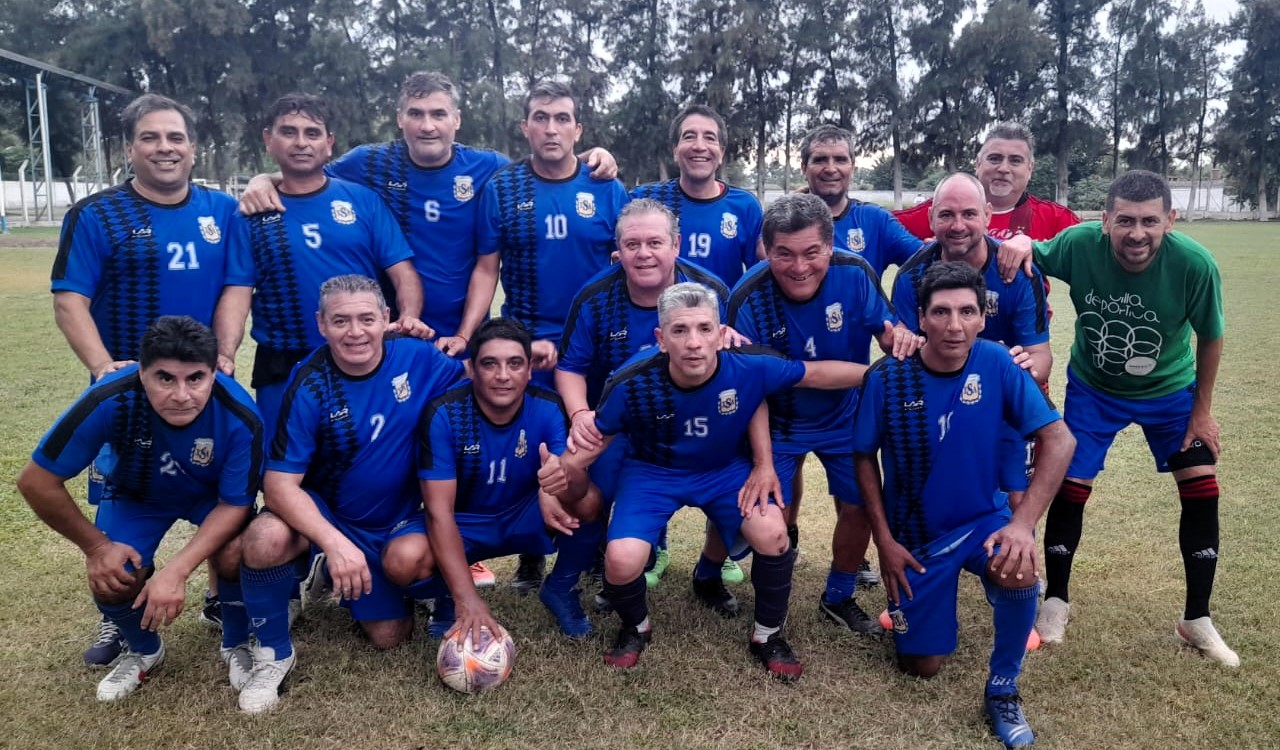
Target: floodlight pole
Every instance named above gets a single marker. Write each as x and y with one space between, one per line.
91 138
38 135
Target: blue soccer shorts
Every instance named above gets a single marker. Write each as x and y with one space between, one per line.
517 530
841 481
386 601
142 525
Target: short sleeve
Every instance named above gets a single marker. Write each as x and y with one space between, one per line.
867 427
1026 409
82 252
241 474
435 446
241 270
904 302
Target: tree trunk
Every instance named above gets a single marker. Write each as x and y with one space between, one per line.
499 76
897 169
1263 213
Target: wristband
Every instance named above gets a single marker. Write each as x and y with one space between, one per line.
577 412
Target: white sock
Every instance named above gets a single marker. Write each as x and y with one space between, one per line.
645 626
761 633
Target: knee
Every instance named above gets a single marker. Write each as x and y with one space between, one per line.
226 561
387 634
588 508
851 517
767 535
127 596
924 667
267 542
1022 579
624 562
407 559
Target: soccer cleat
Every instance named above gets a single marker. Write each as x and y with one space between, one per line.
601 603
850 615
1051 622
239 661
660 562
713 594
211 613
778 658
262 691
317 584
106 647
731 572
566 607
442 617
1201 635
131 670
626 648
529 574
482 577
1004 714
867 578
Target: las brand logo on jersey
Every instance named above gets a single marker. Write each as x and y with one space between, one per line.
972 391
728 401
400 185
522 445
728 225
209 230
343 212
463 188
202 451
835 317
993 304
400 385
855 240
586 205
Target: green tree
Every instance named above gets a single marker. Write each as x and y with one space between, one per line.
1248 138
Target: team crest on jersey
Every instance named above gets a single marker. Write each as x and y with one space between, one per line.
972 391
343 212
463 188
202 451
899 621
522 445
400 385
855 240
209 230
729 401
586 205
835 317
728 225
993 304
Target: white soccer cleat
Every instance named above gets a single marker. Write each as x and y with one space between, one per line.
1051 622
239 661
262 692
1201 635
130 671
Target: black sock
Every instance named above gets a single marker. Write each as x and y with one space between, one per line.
771 578
1198 540
628 600
793 533
1062 530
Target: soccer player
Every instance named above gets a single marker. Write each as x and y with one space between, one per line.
330 228
1004 167
340 478
482 447
684 409
933 418
719 223
811 303
187 444
1140 290
153 245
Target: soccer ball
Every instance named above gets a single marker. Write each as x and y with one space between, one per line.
474 668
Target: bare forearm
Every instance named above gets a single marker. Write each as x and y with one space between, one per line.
229 319
408 289
832 375
71 313
758 437
1208 359
480 290
450 553
572 388
218 528
867 472
48 497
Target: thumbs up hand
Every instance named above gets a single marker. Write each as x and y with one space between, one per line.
551 477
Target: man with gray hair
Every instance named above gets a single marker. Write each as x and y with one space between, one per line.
684 408
1004 167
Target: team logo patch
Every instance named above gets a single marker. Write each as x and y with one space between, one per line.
835 317
729 401
855 240
202 451
340 414
728 225
142 233
522 445
899 621
586 205
463 188
400 185
209 230
972 391
343 212
524 206
619 335
400 385
993 304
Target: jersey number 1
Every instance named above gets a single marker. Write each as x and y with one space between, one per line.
182 258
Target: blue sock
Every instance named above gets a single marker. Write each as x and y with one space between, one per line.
235 619
129 620
266 600
771 578
576 555
840 586
1014 615
706 569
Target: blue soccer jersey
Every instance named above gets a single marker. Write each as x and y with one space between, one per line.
698 429
342 228
875 235
496 466
438 211
1016 313
605 328
720 234
137 260
353 437
217 457
939 437
553 235
838 323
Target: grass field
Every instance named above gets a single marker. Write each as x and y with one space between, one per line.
1119 681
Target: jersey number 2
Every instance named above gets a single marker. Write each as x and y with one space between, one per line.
182 257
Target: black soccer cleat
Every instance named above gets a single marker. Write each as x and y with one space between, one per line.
850 615
627 647
711 592
778 658
529 574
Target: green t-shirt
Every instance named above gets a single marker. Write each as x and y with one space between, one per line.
1133 330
